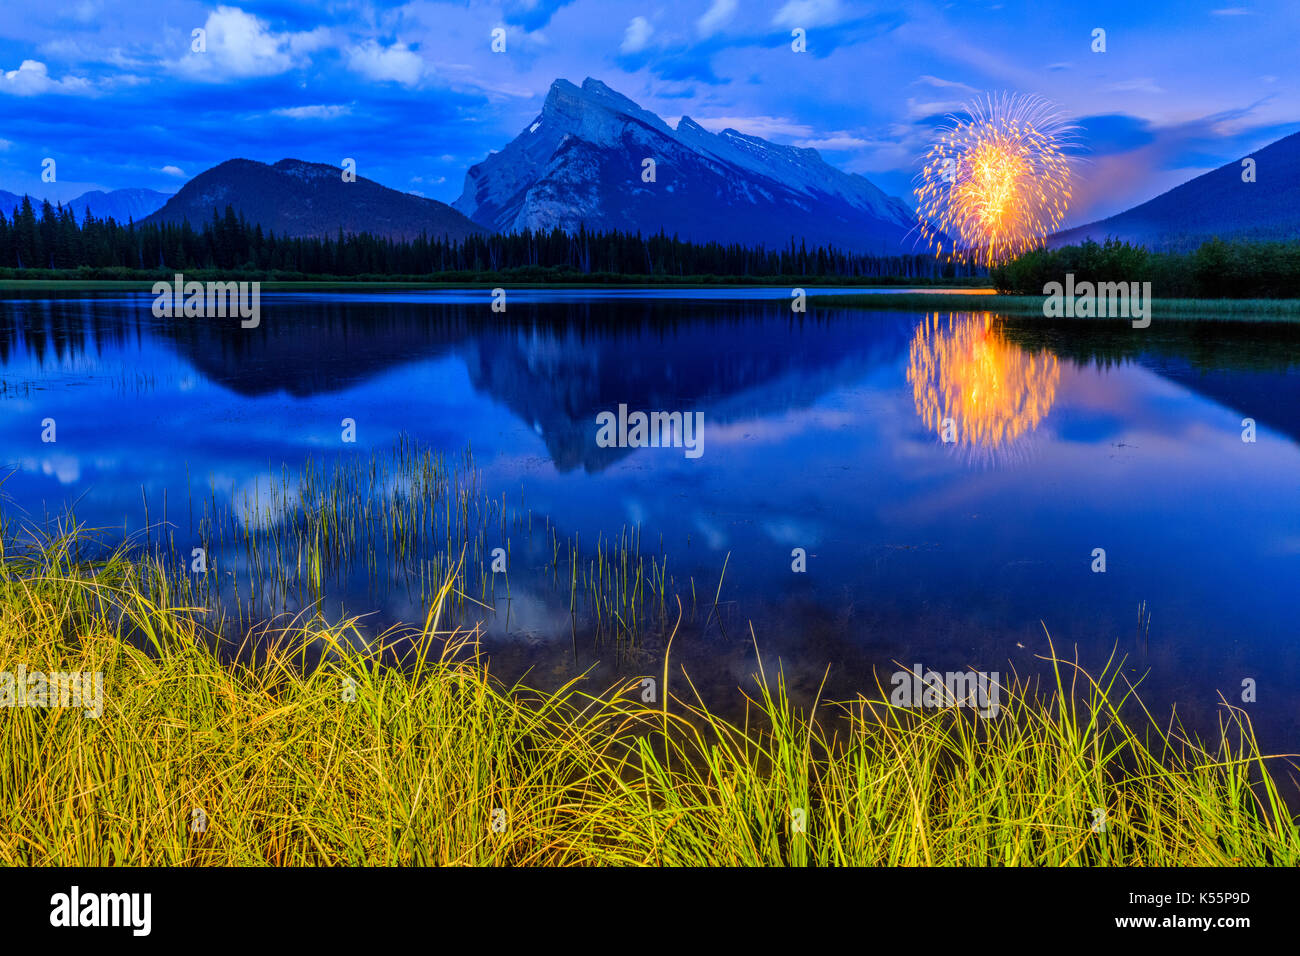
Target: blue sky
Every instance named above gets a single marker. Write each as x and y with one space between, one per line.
413 91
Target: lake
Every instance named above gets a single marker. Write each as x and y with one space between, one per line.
823 432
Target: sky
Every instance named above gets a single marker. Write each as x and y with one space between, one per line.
114 93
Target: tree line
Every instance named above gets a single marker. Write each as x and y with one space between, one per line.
1214 270
53 243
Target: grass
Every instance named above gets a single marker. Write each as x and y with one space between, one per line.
1182 310
402 519
280 755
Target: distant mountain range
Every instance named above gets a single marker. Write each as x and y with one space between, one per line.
582 162
298 199
119 204
1219 203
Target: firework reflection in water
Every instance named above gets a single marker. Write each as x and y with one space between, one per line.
994 392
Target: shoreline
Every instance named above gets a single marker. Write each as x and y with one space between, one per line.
896 296
595 282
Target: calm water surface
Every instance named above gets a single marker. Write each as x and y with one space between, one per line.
822 432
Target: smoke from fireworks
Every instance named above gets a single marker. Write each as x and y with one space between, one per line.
997 181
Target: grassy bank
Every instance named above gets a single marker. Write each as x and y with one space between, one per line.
1182 310
207 758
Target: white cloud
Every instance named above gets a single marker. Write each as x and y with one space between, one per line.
81 49
1144 84
808 13
834 141
239 44
764 126
32 79
173 171
301 44
84 11
719 13
397 63
321 111
925 79
637 35
918 109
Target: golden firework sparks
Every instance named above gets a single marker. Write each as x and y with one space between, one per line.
997 181
993 392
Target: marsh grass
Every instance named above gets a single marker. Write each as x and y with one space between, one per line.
400 519
309 750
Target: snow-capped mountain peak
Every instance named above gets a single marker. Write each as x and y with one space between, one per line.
584 160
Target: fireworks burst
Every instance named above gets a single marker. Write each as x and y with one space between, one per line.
997 181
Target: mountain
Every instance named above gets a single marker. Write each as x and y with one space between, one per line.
581 160
119 204
1215 204
300 199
